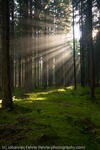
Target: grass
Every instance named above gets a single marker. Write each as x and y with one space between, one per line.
55 116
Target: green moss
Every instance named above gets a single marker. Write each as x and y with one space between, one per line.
55 116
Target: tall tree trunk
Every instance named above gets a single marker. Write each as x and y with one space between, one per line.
36 21
82 65
50 79
45 56
44 72
19 72
12 44
30 48
90 48
26 19
74 50
6 89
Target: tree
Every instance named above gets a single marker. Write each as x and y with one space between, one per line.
90 47
97 59
6 89
11 9
82 45
74 48
86 25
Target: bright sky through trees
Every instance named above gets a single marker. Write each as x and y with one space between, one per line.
77 31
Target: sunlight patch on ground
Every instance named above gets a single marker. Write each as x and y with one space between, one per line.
70 88
37 98
40 98
14 98
52 91
61 90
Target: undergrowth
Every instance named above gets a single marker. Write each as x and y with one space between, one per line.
55 116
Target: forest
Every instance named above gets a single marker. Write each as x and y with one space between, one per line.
50 74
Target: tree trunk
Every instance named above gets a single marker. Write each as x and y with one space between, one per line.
50 79
12 45
6 84
90 48
74 61
82 65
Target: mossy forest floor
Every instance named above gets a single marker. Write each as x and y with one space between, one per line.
52 117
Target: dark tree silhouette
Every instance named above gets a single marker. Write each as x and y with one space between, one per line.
6 89
74 49
90 47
